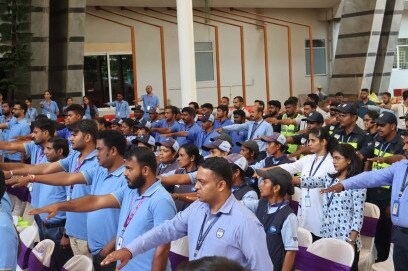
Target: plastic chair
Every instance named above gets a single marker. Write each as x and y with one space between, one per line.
387 265
304 237
367 257
28 237
178 252
334 250
79 263
40 257
294 203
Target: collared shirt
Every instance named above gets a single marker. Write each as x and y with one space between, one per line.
102 182
237 234
88 115
122 109
271 161
5 132
49 109
394 146
183 127
17 128
263 129
156 208
361 107
75 225
356 138
174 127
43 194
6 204
31 114
289 228
311 215
389 176
9 242
150 102
219 124
201 137
238 136
342 212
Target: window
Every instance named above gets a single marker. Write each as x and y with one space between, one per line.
401 55
319 56
204 61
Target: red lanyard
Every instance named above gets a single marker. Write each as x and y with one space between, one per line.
78 166
131 215
40 156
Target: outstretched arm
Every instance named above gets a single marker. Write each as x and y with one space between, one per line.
57 179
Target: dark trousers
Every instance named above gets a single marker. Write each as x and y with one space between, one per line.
354 267
97 259
60 255
382 197
400 255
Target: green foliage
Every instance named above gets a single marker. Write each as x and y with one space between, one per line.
15 49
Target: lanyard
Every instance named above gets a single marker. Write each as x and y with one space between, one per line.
131 215
201 236
254 130
332 195
40 156
318 166
78 166
382 152
348 138
404 184
119 107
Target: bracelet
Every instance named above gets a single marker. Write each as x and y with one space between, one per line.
32 178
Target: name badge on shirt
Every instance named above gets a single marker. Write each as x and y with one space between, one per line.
68 198
148 107
395 208
272 229
48 115
30 187
119 114
120 241
308 202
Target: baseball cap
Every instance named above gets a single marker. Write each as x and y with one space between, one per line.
145 139
117 122
220 144
154 111
144 124
275 137
207 117
138 108
278 176
250 144
169 142
239 160
386 117
314 117
222 136
347 108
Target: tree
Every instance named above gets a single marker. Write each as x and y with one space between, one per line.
15 51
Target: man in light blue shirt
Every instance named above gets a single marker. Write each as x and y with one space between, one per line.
122 109
31 111
8 233
256 128
150 101
216 225
205 134
144 204
166 125
395 176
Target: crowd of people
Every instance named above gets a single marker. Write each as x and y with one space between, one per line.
121 191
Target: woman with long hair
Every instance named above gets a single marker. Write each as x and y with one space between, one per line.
91 111
318 164
343 212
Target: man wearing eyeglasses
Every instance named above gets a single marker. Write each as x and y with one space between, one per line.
18 127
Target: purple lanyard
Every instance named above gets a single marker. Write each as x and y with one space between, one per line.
131 215
78 166
39 157
48 106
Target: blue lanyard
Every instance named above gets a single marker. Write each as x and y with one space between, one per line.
404 184
318 166
201 236
332 195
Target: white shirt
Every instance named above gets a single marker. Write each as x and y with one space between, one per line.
311 218
400 110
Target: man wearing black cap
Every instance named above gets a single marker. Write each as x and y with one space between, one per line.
138 113
387 143
349 132
145 141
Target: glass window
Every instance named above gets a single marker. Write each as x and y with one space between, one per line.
319 56
96 79
204 61
121 71
401 55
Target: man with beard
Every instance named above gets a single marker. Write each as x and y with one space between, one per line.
217 225
17 127
144 204
83 139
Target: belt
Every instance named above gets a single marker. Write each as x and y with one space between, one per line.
402 229
54 225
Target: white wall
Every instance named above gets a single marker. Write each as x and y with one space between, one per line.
108 36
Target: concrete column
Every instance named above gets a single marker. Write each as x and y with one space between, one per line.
186 51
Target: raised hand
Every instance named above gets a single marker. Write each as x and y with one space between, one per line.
123 255
337 188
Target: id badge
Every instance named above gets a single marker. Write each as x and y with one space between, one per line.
148 107
395 208
30 187
308 202
119 115
68 198
120 241
49 115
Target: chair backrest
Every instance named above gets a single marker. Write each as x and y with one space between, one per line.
304 237
43 251
334 250
371 215
29 235
79 263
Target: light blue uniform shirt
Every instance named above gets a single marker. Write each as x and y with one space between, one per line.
263 129
17 128
149 102
43 194
184 140
389 176
75 225
102 182
49 109
88 115
6 204
237 234
31 114
174 127
201 138
122 109
9 242
156 208
218 124
238 136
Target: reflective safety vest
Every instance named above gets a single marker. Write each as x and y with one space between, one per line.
331 129
377 166
290 130
353 144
